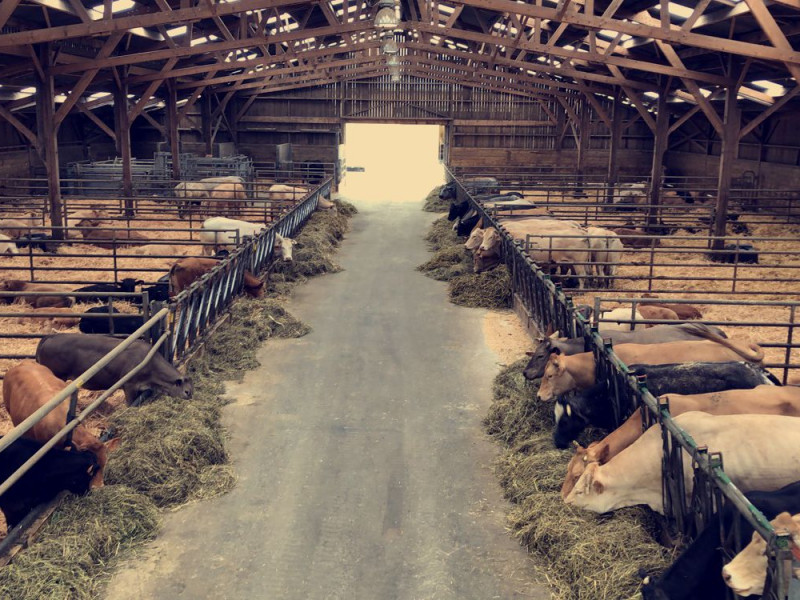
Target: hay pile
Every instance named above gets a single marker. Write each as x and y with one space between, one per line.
77 548
433 203
586 556
317 243
451 262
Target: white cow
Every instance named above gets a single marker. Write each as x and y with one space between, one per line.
606 249
214 237
7 246
611 320
284 246
282 193
767 462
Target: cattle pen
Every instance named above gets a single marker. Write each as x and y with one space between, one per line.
543 303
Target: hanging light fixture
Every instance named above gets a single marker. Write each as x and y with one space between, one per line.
386 17
389 45
393 60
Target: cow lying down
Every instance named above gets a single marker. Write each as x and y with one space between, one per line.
68 355
768 461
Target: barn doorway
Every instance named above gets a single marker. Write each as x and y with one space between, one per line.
400 162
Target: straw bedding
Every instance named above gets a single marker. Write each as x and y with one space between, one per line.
172 451
585 556
433 203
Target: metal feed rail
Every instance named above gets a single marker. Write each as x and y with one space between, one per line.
547 304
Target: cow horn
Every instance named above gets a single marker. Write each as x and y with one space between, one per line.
575 444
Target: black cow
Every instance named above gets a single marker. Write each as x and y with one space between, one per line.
467 223
126 324
594 406
68 355
103 289
56 471
448 192
158 292
652 335
733 253
458 210
37 240
697 573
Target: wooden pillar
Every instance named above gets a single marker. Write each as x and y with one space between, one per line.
585 137
728 155
615 142
123 130
205 118
660 143
48 138
173 132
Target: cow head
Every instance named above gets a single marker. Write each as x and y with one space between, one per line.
582 458
590 491
285 245
569 422
457 209
539 357
475 239
747 572
182 387
556 379
102 450
484 263
448 192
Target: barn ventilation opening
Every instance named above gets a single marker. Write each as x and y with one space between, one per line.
400 162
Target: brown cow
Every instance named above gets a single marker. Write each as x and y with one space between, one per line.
27 387
64 322
14 228
186 271
227 199
685 312
103 238
565 373
17 285
635 238
656 313
761 400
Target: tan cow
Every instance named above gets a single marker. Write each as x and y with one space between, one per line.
108 239
286 193
188 270
746 574
59 323
82 218
27 387
17 285
156 250
762 400
606 254
657 313
228 198
565 373
14 228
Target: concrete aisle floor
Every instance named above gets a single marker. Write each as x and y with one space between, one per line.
363 468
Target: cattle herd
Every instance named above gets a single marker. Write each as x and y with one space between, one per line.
716 388
78 464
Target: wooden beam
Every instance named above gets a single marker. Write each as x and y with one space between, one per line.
728 155
660 143
6 9
173 130
123 128
48 141
97 121
19 126
769 112
774 34
615 142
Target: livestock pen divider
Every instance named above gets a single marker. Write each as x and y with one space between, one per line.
547 304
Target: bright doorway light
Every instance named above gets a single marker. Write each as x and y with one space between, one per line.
400 162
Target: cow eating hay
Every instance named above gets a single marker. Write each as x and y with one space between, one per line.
587 557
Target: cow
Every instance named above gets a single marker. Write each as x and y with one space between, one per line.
612 320
284 246
627 195
76 221
101 291
468 223
192 195
286 193
227 198
7 246
685 312
323 204
58 470
569 252
737 253
14 228
221 232
59 299
548 344
27 387
768 461
158 291
65 322
746 574
109 239
186 271
656 313
635 238
606 253
102 323
42 241
693 574
475 239
593 406
458 210
69 355
565 373
766 399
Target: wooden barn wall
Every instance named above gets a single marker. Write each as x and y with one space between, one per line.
771 152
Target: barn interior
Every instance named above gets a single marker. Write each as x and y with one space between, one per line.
672 123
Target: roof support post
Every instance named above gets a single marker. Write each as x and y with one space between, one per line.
123 129
205 121
48 139
614 143
660 143
173 132
728 155
585 137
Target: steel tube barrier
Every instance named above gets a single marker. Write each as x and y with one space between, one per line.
547 304
194 310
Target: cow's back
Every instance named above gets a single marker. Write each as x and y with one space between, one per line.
26 388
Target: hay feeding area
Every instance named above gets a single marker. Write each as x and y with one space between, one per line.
452 263
585 556
433 203
313 254
172 451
